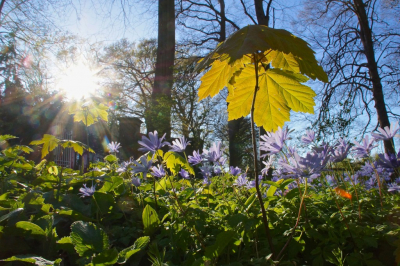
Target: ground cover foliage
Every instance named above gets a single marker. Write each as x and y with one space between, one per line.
164 209
334 204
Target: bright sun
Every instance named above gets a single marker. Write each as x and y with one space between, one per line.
78 81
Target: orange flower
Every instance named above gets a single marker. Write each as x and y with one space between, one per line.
343 193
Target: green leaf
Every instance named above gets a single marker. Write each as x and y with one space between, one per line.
88 239
250 201
10 214
25 166
254 38
150 220
65 243
223 239
285 183
49 142
139 244
111 158
33 259
4 196
31 228
111 183
271 191
107 257
65 240
103 201
235 220
23 148
174 162
76 145
74 215
4 138
41 164
53 170
46 223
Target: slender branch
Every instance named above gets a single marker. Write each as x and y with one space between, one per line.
253 135
2 5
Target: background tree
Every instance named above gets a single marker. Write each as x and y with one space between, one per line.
129 76
26 102
207 24
129 79
190 118
158 117
359 41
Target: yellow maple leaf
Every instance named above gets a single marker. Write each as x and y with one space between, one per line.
88 112
49 142
279 92
217 77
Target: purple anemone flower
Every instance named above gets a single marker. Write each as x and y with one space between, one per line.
331 180
241 181
179 145
291 150
308 167
268 165
391 161
322 148
371 183
309 137
214 154
393 187
206 171
366 170
217 170
273 141
152 143
87 191
387 132
124 166
355 179
235 170
184 174
252 183
364 148
141 167
196 158
158 171
114 146
136 181
340 151
206 181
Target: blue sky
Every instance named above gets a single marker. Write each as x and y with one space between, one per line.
94 21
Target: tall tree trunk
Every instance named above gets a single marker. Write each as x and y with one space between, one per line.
377 90
233 125
262 18
158 117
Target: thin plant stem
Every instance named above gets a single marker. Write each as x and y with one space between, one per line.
98 210
154 193
379 182
59 184
253 135
341 214
295 226
355 190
